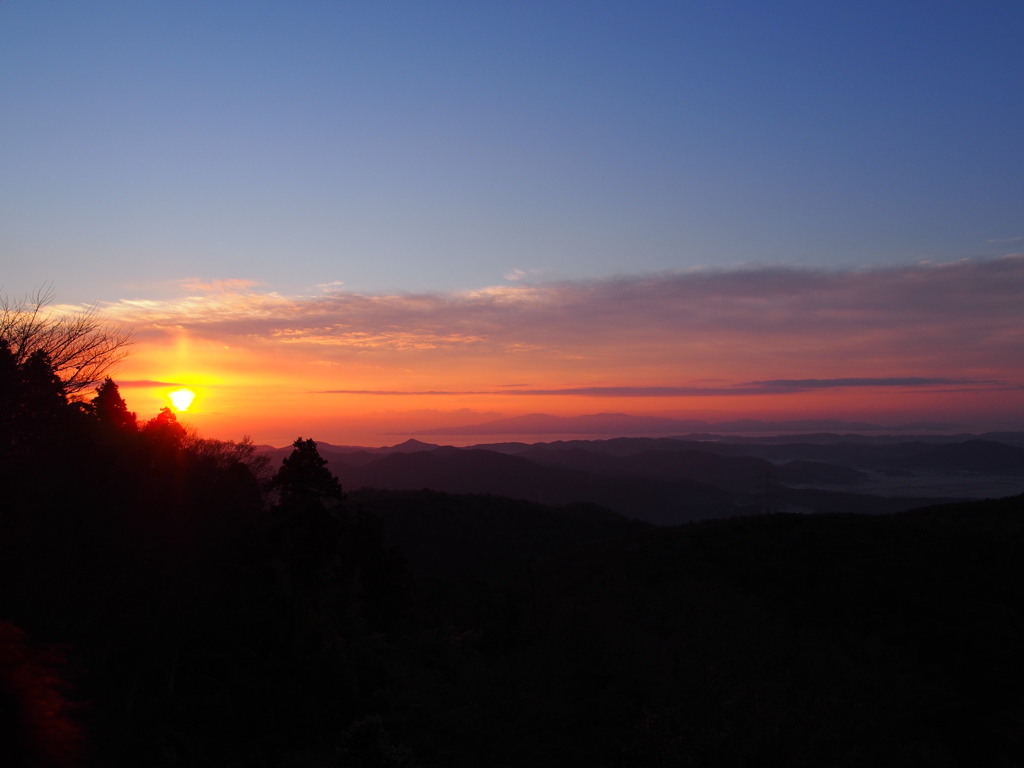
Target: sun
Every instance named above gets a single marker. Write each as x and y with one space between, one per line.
182 398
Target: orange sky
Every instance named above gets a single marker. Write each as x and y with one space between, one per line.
936 342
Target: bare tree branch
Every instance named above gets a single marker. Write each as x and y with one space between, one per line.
83 348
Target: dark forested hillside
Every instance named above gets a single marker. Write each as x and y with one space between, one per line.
483 535
172 601
829 640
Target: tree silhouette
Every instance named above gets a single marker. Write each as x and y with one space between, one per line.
34 407
304 477
164 429
81 347
42 391
9 390
111 409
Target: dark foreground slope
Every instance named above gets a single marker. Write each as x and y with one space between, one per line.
523 635
786 640
838 640
483 536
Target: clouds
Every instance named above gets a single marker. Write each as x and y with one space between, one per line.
801 385
219 286
776 387
520 275
927 320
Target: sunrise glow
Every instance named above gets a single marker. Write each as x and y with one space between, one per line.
182 398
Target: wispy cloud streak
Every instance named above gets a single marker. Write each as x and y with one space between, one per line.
908 381
777 386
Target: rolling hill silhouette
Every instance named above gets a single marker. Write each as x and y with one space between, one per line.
486 472
736 473
983 456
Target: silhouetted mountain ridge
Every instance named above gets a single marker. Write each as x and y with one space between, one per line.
731 472
621 423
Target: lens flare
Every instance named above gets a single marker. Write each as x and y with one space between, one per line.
182 398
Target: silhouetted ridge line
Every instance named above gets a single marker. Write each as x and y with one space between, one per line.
621 423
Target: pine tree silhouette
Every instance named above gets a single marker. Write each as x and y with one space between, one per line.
111 409
304 476
164 429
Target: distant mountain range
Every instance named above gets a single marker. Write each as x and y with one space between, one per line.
622 423
668 481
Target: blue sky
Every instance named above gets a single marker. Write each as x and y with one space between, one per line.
444 146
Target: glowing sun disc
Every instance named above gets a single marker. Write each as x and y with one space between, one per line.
182 398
